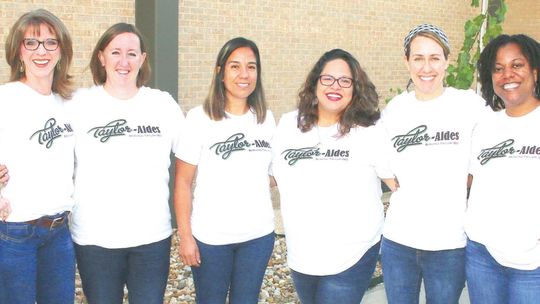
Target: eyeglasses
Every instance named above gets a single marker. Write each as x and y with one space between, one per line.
32 44
328 80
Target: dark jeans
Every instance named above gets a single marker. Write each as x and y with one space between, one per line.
237 269
345 287
36 264
443 272
491 283
143 269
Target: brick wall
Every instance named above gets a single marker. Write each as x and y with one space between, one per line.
86 21
292 35
523 18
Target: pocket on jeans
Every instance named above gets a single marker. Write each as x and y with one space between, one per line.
16 232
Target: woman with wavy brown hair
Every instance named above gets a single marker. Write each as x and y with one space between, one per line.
327 160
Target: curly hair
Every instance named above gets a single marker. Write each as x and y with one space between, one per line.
363 110
214 104
486 64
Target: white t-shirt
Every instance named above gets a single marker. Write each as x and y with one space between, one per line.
36 144
123 150
330 193
430 158
504 204
231 200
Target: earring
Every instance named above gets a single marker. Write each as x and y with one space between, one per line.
315 102
21 67
537 91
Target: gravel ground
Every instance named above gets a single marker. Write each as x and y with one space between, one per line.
277 284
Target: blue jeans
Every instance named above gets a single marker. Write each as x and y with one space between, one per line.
491 283
237 269
36 264
345 287
143 269
404 268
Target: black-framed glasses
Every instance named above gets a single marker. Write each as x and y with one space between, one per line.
329 80
32 44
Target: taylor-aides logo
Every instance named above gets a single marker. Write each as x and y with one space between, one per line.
238 142
506 149
420 136
292 156
120 127
51 131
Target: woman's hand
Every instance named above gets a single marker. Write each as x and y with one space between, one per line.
392 183
4 176
189 251
5 208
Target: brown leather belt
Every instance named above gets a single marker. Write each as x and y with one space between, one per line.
50 223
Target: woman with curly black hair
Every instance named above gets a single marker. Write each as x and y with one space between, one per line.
503 249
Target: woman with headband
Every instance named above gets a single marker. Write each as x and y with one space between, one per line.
430 130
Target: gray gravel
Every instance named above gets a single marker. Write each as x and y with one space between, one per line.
277 284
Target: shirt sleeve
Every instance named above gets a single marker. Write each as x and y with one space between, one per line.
189 144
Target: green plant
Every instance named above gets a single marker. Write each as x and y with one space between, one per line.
461 74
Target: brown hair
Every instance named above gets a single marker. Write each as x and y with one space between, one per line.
98 71
214 104
363 110
62 81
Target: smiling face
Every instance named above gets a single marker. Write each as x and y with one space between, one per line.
122 59
39 64
514 80
334 99
427 65
240 75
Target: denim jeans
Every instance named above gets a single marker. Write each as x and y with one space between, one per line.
237 269
36 264
143 269
491 283
443 272
345 287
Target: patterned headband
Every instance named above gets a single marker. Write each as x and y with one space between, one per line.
425 28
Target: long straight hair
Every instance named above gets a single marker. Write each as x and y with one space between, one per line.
214 104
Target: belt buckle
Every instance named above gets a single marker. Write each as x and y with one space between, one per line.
57 222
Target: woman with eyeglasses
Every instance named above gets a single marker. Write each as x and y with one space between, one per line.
430 130
226 224
328 158
125 133
502 220
37 260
